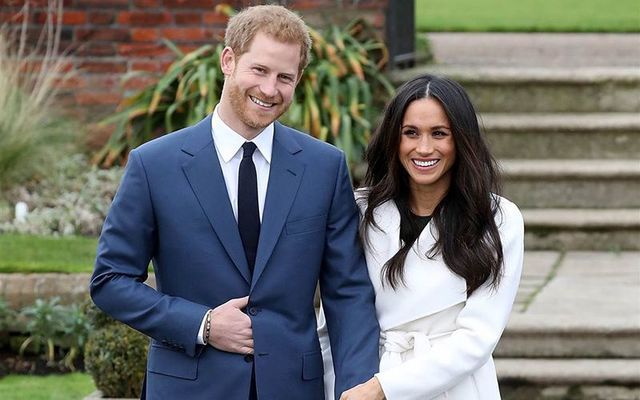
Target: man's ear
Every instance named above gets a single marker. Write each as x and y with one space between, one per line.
299 77
227 61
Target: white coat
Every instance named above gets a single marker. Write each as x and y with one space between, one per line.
436 342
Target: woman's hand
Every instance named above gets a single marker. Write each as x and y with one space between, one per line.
370 390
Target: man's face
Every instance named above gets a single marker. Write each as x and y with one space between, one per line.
259 84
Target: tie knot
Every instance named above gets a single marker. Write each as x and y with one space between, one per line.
247 149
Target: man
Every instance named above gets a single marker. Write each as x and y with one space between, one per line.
241 217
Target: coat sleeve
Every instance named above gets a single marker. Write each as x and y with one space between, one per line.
347 295
127 244
479 326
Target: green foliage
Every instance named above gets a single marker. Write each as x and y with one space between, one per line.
76 330
335 101
188 91
96 317
115 356
51 387
28 253
6 315
45 324
32 131
50 325
528 15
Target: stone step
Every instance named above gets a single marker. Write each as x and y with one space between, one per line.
536 48
553 183
560 313
569 371
542 89
579 379
533 337
563 135
582 229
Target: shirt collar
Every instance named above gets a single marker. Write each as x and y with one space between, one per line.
228 142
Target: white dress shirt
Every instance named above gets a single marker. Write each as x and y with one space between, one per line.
228 145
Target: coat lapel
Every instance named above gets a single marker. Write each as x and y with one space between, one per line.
204 174
284 179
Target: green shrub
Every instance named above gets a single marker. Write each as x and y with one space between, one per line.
115 356
32 130
97 318
336 100
6 315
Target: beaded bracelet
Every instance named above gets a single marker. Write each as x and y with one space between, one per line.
207 328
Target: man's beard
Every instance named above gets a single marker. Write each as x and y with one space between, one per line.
251 118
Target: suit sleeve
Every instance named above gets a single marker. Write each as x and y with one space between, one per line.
478 328
347 293
127 244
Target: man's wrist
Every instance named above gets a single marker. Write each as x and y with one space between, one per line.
206 333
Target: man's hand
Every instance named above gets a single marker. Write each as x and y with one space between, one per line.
370 390
231 328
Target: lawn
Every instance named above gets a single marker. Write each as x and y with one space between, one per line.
52 387
528 15
24 253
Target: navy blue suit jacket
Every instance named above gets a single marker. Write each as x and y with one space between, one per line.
172 208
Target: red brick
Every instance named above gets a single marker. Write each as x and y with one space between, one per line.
184 34
95 49
188 18
144 34
141 18
310 4
94 97
68 17
188 48
103 35
190 3
146 3
142 49
103 66
102 4
32 3
11 17
74 82
104 82
214 18
150 66
139 82
101 18
74 18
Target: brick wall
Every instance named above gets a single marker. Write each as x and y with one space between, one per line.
109 39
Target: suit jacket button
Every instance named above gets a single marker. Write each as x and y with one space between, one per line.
253 311
248 358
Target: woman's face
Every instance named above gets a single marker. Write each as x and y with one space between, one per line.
427 150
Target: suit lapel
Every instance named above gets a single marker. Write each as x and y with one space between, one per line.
284 179
204 174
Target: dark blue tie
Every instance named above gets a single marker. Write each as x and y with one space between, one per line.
248 214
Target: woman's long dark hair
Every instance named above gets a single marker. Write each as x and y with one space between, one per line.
467 235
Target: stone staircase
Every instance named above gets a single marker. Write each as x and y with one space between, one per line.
567 135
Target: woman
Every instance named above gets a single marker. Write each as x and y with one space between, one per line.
444 251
